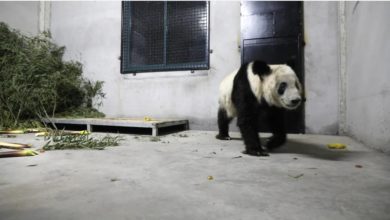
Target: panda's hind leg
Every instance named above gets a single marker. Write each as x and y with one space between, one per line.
276 141
223 125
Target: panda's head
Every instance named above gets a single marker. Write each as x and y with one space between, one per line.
282 88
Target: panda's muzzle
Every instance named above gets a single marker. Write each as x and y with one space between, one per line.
294 103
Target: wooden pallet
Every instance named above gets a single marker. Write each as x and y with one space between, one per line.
155 125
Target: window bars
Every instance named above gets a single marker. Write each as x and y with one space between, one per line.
164 36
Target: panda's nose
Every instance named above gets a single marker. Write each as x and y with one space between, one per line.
296 101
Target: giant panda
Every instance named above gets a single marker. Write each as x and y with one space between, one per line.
253 89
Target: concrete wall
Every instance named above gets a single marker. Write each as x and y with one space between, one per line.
321 67
368 75
91 32
23 16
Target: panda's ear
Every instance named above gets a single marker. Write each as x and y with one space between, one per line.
261 68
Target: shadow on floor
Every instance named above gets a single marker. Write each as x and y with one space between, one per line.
317 151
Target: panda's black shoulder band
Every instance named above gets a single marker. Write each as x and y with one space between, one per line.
261 68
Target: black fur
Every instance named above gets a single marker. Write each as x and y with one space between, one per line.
276 125
248 110
223 125
247 107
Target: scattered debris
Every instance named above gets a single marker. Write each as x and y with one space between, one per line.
146 118
210 177
337 146
42 134
45 134
155 139
358 166
12 132
18 153
236 157
114 179
14 145
34 130
21 131
183 135
72 142
296 176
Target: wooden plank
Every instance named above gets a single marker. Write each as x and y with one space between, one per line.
171 123
154 132
119 122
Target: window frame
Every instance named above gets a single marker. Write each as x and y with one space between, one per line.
127 68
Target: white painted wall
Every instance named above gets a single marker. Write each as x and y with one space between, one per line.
91 32
368 65
321 67
20 15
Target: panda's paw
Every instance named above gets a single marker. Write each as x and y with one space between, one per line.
275 142
222 137
258 153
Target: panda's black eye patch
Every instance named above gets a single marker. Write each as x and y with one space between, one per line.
282 87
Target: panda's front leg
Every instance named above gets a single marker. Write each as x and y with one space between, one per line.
249 131
276 124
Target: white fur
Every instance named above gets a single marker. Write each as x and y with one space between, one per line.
266 89
225 94
280 73
254 82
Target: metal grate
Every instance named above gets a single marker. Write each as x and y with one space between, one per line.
147 33
158 36
187 34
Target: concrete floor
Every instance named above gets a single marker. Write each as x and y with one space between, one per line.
168 179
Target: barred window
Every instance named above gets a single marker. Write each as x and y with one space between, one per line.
164 36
